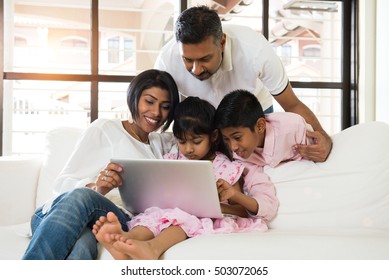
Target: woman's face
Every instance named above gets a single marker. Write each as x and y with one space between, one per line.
153 109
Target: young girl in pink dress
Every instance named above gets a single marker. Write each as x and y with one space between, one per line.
248 207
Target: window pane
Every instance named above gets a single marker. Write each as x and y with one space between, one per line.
48 36
33 107
132 33
313 37
241 12
324 103
113 101
308 43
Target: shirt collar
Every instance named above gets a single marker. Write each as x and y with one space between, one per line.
227 56
268 147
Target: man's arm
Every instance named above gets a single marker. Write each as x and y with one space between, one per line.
322 144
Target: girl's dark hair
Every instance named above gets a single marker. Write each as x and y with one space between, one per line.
196 116
148 79
196 24
239 108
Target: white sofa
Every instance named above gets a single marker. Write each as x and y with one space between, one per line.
335 210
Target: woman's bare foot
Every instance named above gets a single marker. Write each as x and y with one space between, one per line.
135 249
105 229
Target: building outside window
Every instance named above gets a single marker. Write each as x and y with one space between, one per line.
52 78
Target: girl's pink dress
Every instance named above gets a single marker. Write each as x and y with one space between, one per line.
157 219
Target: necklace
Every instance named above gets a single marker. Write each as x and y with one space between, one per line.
136 135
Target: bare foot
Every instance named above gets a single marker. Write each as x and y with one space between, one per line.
99 223
135 249
105 229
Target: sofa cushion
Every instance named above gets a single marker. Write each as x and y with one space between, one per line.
14 241
349 190
60 143
329 244
18 196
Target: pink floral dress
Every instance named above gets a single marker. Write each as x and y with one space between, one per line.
157 219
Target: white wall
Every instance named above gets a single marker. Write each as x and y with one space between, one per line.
382 54
367 52
374 58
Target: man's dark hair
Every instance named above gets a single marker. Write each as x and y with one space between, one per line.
196 24
239 108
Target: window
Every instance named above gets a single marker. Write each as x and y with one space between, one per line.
120 50
74 43
129 48
318 38
70 62
113 50
286 54
311 51
20 41
52 78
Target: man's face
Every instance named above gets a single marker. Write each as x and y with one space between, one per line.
204 59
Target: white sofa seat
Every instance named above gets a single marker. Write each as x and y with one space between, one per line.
332 210
285 245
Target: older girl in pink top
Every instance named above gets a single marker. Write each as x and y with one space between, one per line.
250 204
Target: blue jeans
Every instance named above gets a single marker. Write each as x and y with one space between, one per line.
64 232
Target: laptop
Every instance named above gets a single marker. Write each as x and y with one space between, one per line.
186 184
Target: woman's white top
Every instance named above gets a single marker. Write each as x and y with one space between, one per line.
103 140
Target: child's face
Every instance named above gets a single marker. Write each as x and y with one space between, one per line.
195 147
242 140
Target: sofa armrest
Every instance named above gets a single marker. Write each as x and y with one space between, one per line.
19 179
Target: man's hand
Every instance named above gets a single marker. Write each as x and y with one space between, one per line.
319 149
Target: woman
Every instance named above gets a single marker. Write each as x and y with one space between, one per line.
61 229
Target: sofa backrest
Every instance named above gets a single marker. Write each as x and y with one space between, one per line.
349 190
60 143
19 176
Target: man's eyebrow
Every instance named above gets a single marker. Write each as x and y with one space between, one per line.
201 58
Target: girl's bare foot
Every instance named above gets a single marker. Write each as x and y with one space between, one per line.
135 249
105 229
99 223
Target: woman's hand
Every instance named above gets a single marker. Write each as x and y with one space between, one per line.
108 178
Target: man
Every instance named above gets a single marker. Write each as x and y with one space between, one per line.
214 63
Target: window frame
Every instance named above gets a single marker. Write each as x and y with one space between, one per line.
348 84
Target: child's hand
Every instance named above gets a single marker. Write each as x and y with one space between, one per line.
233 210
225 190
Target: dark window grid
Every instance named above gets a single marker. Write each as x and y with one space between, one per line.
348 84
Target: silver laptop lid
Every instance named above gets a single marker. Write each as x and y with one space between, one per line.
186 184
